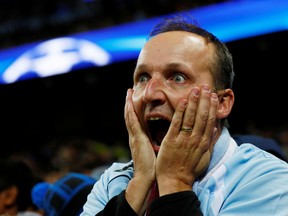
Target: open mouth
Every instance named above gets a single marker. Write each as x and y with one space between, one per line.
158 128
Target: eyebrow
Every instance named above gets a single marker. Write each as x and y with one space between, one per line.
176 65
173 65
141 67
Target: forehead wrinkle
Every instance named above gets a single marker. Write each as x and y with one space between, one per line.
170 65
176 65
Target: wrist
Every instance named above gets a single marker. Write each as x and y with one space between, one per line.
169 186
136 193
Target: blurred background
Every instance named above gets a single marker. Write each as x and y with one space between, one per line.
84 102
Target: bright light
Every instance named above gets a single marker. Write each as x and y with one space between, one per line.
229 21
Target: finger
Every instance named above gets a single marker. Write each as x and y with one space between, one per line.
203 110
130 117
211 123
211 105
190 112
177 118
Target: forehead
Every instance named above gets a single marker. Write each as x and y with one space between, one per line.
177 38
175 46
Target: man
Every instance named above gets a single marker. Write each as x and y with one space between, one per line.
16 181
65 196
176 117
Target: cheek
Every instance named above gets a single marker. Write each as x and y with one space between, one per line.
177 97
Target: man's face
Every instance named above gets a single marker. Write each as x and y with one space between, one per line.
169 65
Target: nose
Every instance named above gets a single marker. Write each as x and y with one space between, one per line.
154 91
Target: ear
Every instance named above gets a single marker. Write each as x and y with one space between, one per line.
9 195
226 101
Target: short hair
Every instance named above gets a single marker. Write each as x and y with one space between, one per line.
18 173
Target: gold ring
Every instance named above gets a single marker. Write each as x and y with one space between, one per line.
186 129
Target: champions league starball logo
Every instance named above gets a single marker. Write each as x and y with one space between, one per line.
56 56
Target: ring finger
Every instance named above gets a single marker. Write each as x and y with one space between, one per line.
190 112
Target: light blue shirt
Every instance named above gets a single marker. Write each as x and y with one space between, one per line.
240 180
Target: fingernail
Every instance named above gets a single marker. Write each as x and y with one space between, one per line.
196 92
214 96
206 88
184 103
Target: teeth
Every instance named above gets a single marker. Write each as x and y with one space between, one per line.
154 118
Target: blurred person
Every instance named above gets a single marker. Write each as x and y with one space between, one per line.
64 197
277 132
79 154
16 182
184 160
268 144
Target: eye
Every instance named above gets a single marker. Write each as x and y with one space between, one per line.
143 78
178 78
